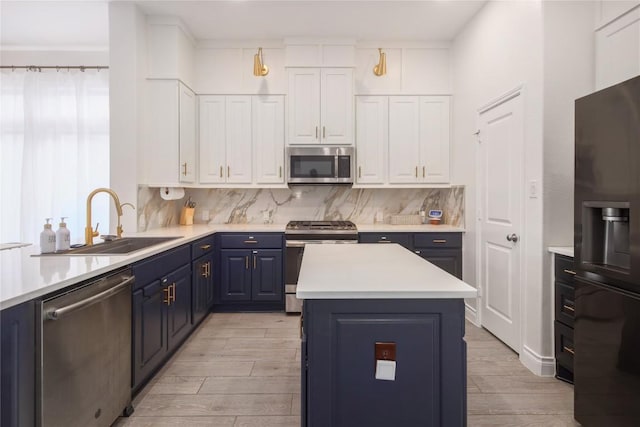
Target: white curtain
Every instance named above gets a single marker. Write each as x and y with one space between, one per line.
54 128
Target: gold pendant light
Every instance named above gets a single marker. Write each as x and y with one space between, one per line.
380 69
259 69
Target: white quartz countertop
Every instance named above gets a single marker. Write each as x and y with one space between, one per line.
373 271
24 277
561 250
422 228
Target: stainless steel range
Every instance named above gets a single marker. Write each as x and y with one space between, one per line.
301 233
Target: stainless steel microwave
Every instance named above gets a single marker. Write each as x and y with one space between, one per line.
320 165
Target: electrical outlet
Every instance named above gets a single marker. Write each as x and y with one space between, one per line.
205 215
266 216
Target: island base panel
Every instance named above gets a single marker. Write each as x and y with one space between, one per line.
338 363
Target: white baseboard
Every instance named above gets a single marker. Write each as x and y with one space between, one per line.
539 365
471 314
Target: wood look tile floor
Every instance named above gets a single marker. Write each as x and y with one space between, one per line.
242 370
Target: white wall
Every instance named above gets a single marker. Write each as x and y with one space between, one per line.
499 50
170 50
568 74
412 68
617 42
54 57
127 38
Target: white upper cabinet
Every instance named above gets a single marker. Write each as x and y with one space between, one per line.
404 139
419 146
225 139
304 106
372 136
187 135
170 143
336 105
434 138
320 106
238 139
268 139
213 157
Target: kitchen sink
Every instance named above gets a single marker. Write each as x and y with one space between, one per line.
123 246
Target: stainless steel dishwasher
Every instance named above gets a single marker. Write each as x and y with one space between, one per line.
85 370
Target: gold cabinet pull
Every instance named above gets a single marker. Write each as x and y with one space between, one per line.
221 173
255 262
279 171
384 241
439 240
423 171
569 308
359 171
167 298
228 171
251 241
571 272
324 132
184 169
204 270
568 350
205 247
173 293
416 171
246 262
316 132
209 269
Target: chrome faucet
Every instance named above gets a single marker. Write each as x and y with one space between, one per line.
89 232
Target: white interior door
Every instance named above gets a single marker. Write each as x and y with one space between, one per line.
500 172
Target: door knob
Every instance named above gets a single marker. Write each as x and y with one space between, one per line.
512 238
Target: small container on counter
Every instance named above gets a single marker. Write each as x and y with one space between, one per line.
63 236
435 216
47 239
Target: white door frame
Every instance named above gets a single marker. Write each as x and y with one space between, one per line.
507 96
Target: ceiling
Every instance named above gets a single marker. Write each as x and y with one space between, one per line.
85 23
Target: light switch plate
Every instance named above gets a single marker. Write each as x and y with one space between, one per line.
386 370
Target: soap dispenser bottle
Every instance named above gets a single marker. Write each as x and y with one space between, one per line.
47 239
63 236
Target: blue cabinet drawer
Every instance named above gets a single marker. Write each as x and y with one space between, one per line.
160 265
437 240
202 247
403 239
251 240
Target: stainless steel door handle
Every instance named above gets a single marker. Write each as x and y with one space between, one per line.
57 313
512 237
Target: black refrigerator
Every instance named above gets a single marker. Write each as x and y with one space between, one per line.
607 256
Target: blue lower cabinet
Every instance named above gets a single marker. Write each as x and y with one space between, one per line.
17 366
450 260
235 275
161 311
342 340
266 276
251 275
202 287
179 309
149 330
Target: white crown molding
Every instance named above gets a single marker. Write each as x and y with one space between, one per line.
240 44
54 48
407 44
301 41
174 21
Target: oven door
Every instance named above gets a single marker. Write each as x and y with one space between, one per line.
293 254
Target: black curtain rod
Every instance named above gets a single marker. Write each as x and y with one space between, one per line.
54 67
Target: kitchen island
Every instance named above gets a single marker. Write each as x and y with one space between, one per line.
382 339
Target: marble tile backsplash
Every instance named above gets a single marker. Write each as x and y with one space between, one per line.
260 205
